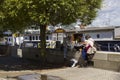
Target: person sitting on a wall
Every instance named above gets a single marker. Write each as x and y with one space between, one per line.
89 47
77 57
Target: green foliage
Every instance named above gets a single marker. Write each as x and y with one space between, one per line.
89 11
17 14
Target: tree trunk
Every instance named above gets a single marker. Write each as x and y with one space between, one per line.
43 40
43 44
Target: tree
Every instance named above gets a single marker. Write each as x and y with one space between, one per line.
17 14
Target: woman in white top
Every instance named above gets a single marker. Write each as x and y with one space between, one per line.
90 49
89 44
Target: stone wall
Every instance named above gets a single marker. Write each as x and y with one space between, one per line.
2 49
107 60
102 59
8 50
53 55
31 53
13 51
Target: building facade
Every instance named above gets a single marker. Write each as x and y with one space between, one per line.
99 33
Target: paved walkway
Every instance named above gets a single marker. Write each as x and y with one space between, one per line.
85 74
70 73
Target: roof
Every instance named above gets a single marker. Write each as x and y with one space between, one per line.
91 29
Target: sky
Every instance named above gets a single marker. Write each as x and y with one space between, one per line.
109 14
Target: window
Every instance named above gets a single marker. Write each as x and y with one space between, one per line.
98 35
33 37
30 37
39 37
9 39
36 37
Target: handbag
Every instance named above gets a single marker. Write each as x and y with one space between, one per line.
91 50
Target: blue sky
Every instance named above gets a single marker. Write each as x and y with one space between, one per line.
109 14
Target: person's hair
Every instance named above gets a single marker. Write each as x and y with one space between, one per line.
87 36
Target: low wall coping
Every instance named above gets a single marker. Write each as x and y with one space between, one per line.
106 55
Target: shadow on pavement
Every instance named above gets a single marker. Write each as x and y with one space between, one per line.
9 63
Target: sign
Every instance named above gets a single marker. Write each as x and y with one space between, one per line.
117 32
59 30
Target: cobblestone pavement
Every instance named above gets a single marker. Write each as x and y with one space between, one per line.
88 73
